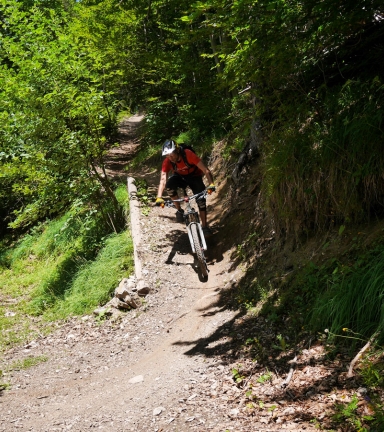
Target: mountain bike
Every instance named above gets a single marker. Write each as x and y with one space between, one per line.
194 228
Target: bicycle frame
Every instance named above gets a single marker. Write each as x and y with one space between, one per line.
192 222
191 216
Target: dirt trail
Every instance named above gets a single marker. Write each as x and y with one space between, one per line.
165 367
85 382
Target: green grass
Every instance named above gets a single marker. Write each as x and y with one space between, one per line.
27 362
321 170
63 267
95 280
353 300
145 154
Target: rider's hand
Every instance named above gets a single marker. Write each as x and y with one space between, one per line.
211 188
159 201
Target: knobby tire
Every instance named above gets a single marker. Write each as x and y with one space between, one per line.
199 250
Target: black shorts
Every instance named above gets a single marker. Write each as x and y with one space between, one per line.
194 182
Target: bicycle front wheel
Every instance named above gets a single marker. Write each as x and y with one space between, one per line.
199 250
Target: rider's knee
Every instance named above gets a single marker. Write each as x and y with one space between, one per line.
171 192
202 205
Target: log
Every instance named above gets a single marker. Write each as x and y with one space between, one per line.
134 212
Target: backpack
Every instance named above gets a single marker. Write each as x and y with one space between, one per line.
182 148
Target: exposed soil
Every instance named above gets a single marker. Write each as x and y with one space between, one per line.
184 360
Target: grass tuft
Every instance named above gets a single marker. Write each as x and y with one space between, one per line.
27 362
354 300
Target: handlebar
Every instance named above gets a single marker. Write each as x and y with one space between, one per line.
203 194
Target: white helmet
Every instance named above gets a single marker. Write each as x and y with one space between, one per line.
168 147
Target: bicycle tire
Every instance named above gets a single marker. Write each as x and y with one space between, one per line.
199 250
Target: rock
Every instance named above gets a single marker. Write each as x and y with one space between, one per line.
120 304
136 379
142 288
105 310
126 293
10 314
127 303
288 411
128 284
124 289
158 411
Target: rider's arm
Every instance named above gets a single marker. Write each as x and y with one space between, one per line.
163 180
206 171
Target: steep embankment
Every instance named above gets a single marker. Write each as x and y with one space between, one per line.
182 362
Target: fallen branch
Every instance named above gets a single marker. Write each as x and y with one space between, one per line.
290 373
359 354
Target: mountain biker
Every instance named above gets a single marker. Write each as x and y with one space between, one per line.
187 170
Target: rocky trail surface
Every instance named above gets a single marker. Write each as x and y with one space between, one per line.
174 364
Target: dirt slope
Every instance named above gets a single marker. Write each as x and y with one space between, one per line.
168 366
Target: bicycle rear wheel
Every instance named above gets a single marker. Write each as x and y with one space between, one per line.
199 250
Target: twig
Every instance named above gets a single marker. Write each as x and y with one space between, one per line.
290 373
245 90
359 354
244 387
250 375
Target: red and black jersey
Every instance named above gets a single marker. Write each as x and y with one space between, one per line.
181 167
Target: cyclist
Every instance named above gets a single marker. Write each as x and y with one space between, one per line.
187 170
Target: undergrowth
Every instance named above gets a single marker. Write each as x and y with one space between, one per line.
321 171
62 267
350 294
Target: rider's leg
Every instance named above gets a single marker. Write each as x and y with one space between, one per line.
177 204
173 183
203 217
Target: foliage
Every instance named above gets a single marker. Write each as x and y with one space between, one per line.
347 413
267 376
143 196
237 376
61 267
55 113
372 369
352 296
309 73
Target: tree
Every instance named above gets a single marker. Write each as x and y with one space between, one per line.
54 111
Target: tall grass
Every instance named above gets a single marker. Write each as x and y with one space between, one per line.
95 280
354 301
324 164
62 267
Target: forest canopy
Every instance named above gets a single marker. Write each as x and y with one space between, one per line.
309 74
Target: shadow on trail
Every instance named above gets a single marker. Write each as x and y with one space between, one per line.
250 344
179 240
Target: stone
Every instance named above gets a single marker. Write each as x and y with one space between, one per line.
126 286
158 411
106 311
137 379
120 304
142 288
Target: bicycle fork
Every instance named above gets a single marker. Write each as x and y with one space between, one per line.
203 243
